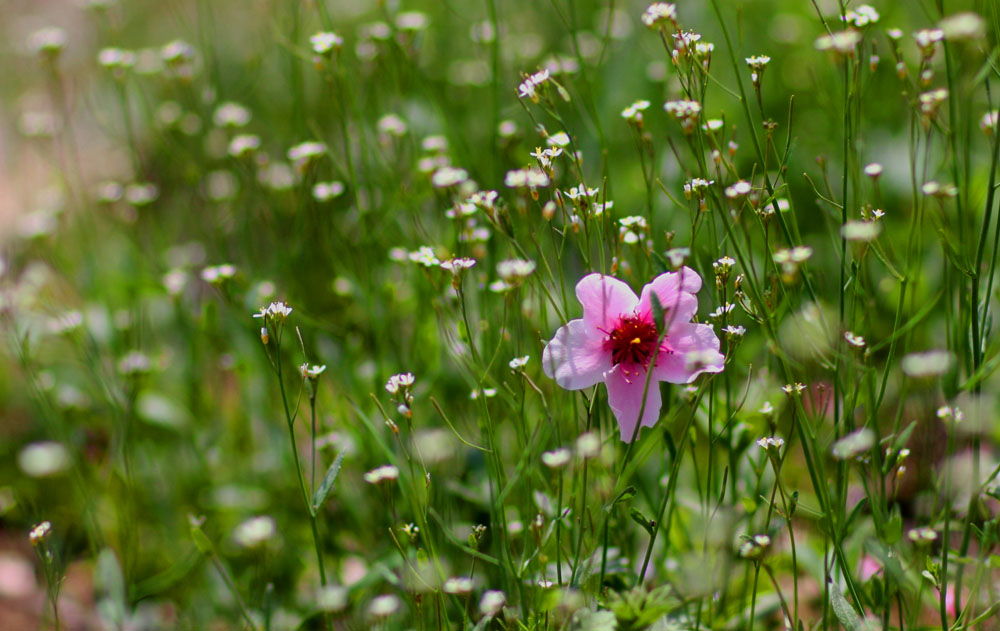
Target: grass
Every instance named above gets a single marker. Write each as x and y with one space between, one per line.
274 350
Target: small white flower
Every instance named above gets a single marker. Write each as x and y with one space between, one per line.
713 124
556 459
325 191
843 42
515 269
385 473
758 62
734 332
659 13
492 602
519 362
964 25
927 364
231 114
558 139
255 531
412 21
771 442
588 445
697 186
632 229
447 177
685 111
116 59
634 112
402 381
275 312
215 274
43 459
922 536
949 413
243 144
724 264
739 189
873 170
927 38
458 585
177 51
529 87
861 17
793 389
526 178
49 41
305 152
754 547
134 363
546 156
854 444
677 256
311 372
582 192
40 533
325 42
383 606
455 266
141 193
391 125
862 230
722 311
854 339
989 121
489 393
425 256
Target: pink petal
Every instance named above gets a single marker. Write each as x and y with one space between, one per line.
676 293
695 350
625 398
604 299
575 359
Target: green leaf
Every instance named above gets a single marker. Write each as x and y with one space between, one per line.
585 620
201 540
327 485
563 92
640 519
658 310
854 513
893 529
625 495
904 437
843 610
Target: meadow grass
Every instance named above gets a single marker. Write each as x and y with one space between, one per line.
292 293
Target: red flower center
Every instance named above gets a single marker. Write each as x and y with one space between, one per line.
632 341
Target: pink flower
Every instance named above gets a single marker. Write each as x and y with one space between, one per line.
616 339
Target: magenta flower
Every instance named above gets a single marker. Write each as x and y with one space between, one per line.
616 339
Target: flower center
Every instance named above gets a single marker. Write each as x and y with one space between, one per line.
632 341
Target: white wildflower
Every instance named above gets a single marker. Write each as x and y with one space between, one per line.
255 531
492 602
325 42
385 473
519 362
659 14
556 459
